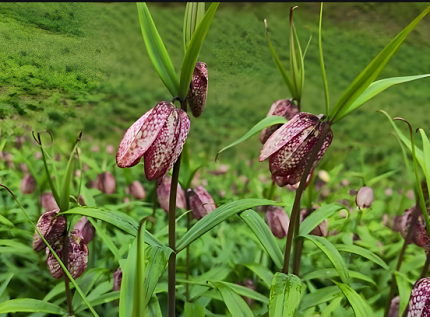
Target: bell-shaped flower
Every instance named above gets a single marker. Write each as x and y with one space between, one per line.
198 89
201 202
163 194
158 136
283 108
364 197
48 202
51 227
136 190
28 184
106 183
289 147
278 221
86 228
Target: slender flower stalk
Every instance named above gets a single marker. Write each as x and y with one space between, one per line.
66 278
296 206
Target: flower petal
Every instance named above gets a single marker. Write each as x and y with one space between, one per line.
198 89
140 136
160 153
300 125
183 134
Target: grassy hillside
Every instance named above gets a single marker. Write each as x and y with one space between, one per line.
68 67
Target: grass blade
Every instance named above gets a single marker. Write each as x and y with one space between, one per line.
156 50
358 304
285 295
29 305
106 239
362 252
330 273
193 50
235 304
317 217
324 76
138 304
194 13
371 72
264 235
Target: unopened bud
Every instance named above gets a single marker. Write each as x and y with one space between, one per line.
86 228
163 194
23 167
278 221
394 307
106 183
48 202
110 149
95 149
324 176
201 202
117 280
136 190
364 197
28 184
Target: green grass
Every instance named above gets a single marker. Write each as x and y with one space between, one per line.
69 67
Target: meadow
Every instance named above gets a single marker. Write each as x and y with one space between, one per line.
68 68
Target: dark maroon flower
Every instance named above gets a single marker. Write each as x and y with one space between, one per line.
136 190
50 227
48 202
158 136
278 221
198 89
163 194
201 202
364 197
117 280
86 228
283 108
77 256
106 183
282 181
289 147
419 302
28 184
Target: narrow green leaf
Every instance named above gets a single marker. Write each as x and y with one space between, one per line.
371 72
217 216
6 221
194 310
193 50
330 273
139 309
154 309
67 180
296 60
362 252
266 122
317 217
29 305
86 283
5 283
262 272
380 177
156 50
373 90
246 292
284 74
116 218
235 304
264 235
52 184
335 303
217 273
404 290
323 73
320 296
128 279
108 241
358 304
194 13
285 295
426 170
333 255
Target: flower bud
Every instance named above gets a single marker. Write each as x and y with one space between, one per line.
248 284
106 183
48 202
278 221
38 155
394 307
81 200
364 197
77 256
322 229
95 149
110 149
344 182
388 192
86 228
50 227
23 167
198 89
163 194
283 108
420 298
19 140
136 190
117 280
28 184
201 202
324 176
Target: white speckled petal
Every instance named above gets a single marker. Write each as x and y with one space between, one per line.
140 136
198 89
299 126
419 302
160 153
183 134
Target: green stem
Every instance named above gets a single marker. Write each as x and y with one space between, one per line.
187 288
154 207
357 222
296 206
66 279
426 266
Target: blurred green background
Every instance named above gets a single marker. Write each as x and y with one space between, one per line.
70 67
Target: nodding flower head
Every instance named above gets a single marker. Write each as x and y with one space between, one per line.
163 194
201 202
136 190
278 221
283 108
51 227
48 202
158 136
28 184
289 147
86 228
106 183
364 197
198 89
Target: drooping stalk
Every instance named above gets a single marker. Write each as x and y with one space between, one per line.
66 279
296 206
415 215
